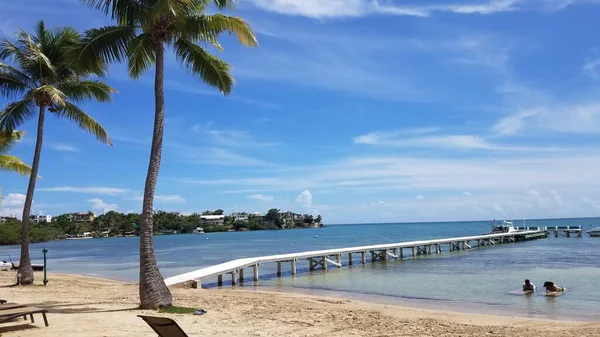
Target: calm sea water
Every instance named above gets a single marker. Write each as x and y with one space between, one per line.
479 280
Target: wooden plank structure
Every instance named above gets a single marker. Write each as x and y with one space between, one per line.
322 259
566 230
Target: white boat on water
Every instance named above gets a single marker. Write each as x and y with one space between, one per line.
503 227
595 232
198 230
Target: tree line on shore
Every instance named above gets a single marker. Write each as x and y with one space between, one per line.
56 71
117 224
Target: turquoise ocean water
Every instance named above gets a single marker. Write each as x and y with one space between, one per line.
479 280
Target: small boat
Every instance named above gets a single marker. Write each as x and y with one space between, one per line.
504 227
198 230
594 232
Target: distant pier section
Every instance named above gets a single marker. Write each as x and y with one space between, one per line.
557 230
323 259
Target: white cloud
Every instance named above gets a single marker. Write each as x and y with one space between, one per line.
99 205
356 8
472 142
90 190
164 198
591 68
420 197
260 197
229 137
216 156
62 147
305 199
510 125
14 199
466 193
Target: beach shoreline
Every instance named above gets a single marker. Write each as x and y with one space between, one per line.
92 306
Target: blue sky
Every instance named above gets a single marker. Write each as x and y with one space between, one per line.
358 110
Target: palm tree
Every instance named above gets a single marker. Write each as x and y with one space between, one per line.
144 28
44 78
8 162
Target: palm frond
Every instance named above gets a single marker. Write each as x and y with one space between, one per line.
206 28
141 55
84 121
14 164
36 57
12 81
167 9
126 12
209 68
54 95
104 45
200 5
81 91
15 114
9 139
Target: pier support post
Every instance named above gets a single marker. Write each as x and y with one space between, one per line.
450 247
241 275
338 259
372 256
220 280
384 255
325 263
568 233
349 259
294 266
255 273
278 268
414 251
233 278
400 253
429 249
363 256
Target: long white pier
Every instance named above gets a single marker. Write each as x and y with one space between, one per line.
321 259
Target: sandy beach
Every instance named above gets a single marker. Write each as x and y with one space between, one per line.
84 306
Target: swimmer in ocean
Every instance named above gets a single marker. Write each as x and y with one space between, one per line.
553 288
528 286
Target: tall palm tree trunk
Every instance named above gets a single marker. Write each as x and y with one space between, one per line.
25 263
153 290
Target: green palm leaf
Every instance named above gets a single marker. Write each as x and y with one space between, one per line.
14 164
8 140
205 28
12 81
198 61
84 121
82 91
104 45
141 55
15 114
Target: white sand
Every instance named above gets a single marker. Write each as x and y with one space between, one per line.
83 306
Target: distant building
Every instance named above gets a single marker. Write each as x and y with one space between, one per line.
218 220
257 214
239 216
176 213
82 217
3 219
40 218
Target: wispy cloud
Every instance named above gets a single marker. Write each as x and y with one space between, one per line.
219 156
402 139
164 198
229 137
89 190
62 147
261 197
592 68
356 8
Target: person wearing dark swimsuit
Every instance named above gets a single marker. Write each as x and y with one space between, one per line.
553 288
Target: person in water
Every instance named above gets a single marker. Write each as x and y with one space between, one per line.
528 286
553 288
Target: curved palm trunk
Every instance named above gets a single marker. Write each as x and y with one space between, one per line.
25 263
153 290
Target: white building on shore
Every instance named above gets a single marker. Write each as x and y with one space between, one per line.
218 220
40 218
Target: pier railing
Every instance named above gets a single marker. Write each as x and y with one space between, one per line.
323 258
